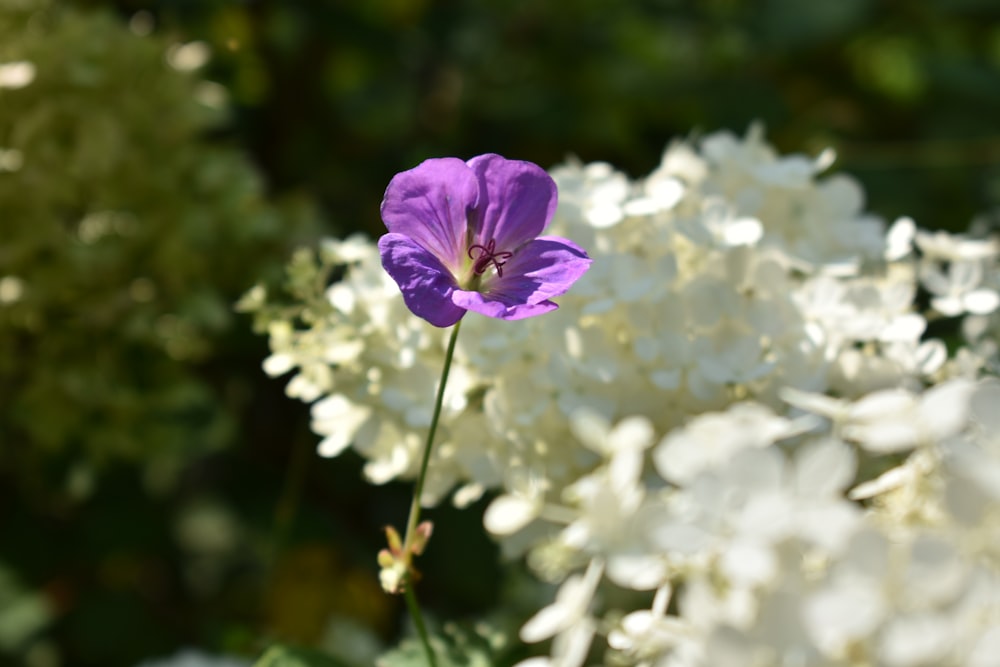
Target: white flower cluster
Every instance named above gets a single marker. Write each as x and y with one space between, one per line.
746 529
736 415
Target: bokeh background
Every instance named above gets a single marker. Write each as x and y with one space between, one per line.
158 491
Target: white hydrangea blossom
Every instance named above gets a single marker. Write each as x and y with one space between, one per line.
773 564
736 414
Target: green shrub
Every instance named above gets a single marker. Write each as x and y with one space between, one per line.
125 236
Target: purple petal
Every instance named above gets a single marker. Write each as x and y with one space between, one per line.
426 284
517 200
430 203
542 269
498 307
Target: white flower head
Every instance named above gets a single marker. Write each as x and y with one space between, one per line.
715 438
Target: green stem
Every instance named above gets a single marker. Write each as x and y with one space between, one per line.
418 620
414 520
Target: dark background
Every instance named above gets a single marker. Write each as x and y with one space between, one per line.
126 419
335 96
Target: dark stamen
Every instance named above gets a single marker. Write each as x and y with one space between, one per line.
488 255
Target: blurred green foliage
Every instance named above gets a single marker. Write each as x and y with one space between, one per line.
126 235
129 239
336 96
289 656
155 489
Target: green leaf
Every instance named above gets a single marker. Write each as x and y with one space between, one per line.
281 655
458 645
22 612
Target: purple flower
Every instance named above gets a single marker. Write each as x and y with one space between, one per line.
465 236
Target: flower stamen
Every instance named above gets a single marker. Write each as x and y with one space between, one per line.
488 255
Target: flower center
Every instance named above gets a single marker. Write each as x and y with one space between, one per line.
486 255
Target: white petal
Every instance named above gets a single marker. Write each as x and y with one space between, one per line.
905 328
508 514
468 494
824 468
747 564
949 306
591 429
344 351
546 623
934 279
892 435
682 538
877 405
639 572
916 640
333 445
982 301
342 297
930 356
278 364
570 648
631 433
667 192
829 524
744 231
539 661
899 239
339 419
887 481
842 613
944 409
965 275
571 603
821 404
986 651
935 574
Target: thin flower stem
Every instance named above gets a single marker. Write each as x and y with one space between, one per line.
418 620
414 520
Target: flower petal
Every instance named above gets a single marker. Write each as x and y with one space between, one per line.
426 284
430 203
544 268
499 306
517 200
